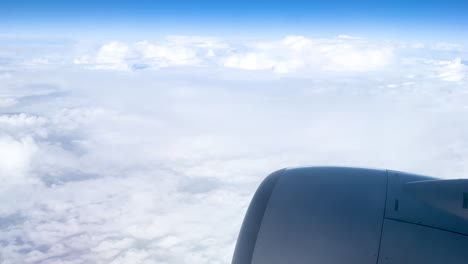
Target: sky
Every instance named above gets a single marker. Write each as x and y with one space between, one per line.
138 132
424 20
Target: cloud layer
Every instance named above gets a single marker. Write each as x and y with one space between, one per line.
290 54
149 151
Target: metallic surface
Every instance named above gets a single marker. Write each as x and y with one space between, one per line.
333 215
418 198
252 221
406 243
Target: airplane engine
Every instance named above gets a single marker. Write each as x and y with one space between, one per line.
338 215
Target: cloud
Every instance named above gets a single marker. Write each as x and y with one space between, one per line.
446 46
290 54
346 57
453 71
134 152
167 55
7 102
174 51
418 45
111 56
15 157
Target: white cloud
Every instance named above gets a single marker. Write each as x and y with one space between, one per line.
197 41
174 51
7 102
124 165
446 46
15 159
256 61
345 57
167 55
418 45
296 52
288 55
453 71
112 56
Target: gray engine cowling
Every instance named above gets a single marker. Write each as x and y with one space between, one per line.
339 215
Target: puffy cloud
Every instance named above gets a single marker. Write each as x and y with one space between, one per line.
174 51
140 166
167 55
344 57
259 61
295 52
15 158
290 54
453 71
21 123
112 57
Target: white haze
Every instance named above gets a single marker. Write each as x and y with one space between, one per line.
149 152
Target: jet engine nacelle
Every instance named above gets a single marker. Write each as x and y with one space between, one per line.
337 215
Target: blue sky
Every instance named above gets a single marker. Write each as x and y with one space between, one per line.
423 20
